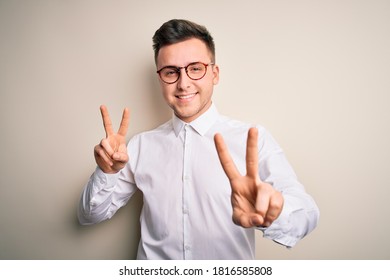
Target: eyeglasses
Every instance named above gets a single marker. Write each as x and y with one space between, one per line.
195 71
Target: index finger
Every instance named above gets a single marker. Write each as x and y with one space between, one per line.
106 121
124 123
252 153
224 157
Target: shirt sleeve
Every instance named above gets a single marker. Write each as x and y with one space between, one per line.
300 213
103 195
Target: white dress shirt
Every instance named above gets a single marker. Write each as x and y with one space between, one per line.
187 212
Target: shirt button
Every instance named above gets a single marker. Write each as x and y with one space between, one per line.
187 248
185 211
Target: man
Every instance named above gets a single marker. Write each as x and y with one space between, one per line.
197 204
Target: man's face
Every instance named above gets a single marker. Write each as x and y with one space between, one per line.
188 98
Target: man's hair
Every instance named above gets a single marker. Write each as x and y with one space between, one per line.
179 30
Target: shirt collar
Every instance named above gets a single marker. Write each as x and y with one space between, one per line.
201 125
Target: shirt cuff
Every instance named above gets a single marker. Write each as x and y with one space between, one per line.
281 230
105 180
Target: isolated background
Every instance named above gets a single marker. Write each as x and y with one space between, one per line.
316 74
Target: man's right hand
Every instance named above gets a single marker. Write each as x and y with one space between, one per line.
111 154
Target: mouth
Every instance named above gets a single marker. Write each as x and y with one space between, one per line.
186 97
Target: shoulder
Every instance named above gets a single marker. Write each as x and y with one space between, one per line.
235 133
159 131
227 125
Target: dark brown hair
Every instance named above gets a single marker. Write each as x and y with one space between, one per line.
178 30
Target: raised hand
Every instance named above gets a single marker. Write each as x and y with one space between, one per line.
111 153
255 203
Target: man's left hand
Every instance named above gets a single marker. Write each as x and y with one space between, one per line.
254 202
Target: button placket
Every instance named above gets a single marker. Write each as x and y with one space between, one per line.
186 185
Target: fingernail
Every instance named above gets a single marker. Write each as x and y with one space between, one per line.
255 222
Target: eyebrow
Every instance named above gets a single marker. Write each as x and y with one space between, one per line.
171 66
174 66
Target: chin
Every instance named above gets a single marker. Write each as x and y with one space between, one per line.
186 116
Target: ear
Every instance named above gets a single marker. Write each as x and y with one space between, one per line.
215 74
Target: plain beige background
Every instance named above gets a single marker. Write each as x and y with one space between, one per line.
316 74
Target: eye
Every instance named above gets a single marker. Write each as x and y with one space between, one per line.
196 68
169 72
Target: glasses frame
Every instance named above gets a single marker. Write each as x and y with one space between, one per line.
178 70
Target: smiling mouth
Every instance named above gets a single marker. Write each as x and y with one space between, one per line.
186 97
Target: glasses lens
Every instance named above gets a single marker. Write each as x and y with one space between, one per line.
169 74
196 71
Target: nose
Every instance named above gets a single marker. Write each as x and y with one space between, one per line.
184 81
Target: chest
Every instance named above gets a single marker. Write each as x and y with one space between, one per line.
169 168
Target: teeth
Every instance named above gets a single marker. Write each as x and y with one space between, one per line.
186 96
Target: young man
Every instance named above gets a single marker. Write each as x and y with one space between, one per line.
197 204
